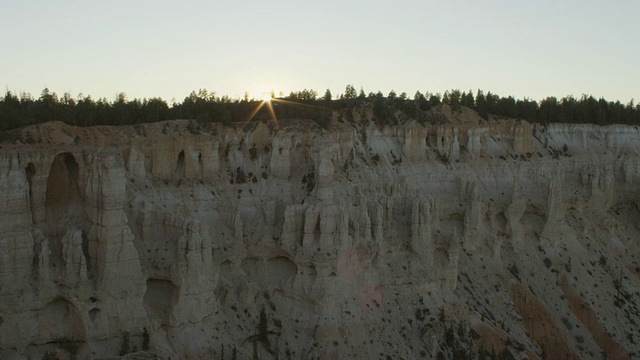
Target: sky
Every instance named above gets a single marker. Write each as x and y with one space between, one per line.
167 49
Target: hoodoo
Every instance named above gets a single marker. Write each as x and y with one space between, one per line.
460 238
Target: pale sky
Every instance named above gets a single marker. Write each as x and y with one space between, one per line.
169 48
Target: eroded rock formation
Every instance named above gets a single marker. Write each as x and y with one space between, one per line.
362 242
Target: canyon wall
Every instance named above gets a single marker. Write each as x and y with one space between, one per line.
359 242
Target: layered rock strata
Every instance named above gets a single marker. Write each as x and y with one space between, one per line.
362 242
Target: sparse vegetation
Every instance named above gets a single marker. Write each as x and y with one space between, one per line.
309 181
125 344
253 152
514 271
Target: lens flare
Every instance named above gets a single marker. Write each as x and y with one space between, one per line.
269 100
266 100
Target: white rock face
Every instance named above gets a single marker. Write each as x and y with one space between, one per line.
355 242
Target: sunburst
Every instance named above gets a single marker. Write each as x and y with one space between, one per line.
268 100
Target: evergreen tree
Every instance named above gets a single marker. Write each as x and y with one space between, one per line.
481 105
205 107
47 106
467 100
327 96
421 100
350 92
548 107
10 112
306 95
435 99
492 102
526 109
506 107
361 95
454 99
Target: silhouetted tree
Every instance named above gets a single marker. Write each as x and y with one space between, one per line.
435 99
453 99
327 96
205 107
526 109
361 95
467 100
481 105
350 92
507 107
492 102
421 100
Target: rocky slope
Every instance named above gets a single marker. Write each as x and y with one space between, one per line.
454 240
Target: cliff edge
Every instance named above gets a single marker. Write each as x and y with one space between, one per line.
466 238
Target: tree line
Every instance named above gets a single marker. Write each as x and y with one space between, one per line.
568 109
207 107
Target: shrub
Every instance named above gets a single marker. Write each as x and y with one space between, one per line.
125 346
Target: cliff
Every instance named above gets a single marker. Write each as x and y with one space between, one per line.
359 242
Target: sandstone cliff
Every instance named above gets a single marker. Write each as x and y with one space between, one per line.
361 242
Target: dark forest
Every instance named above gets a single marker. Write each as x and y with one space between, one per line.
206 107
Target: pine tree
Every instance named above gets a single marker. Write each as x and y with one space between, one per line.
467 100
327 96
392 95
454 99
481 105
350 92
492 102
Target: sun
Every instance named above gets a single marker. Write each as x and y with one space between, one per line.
269 101
266 99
